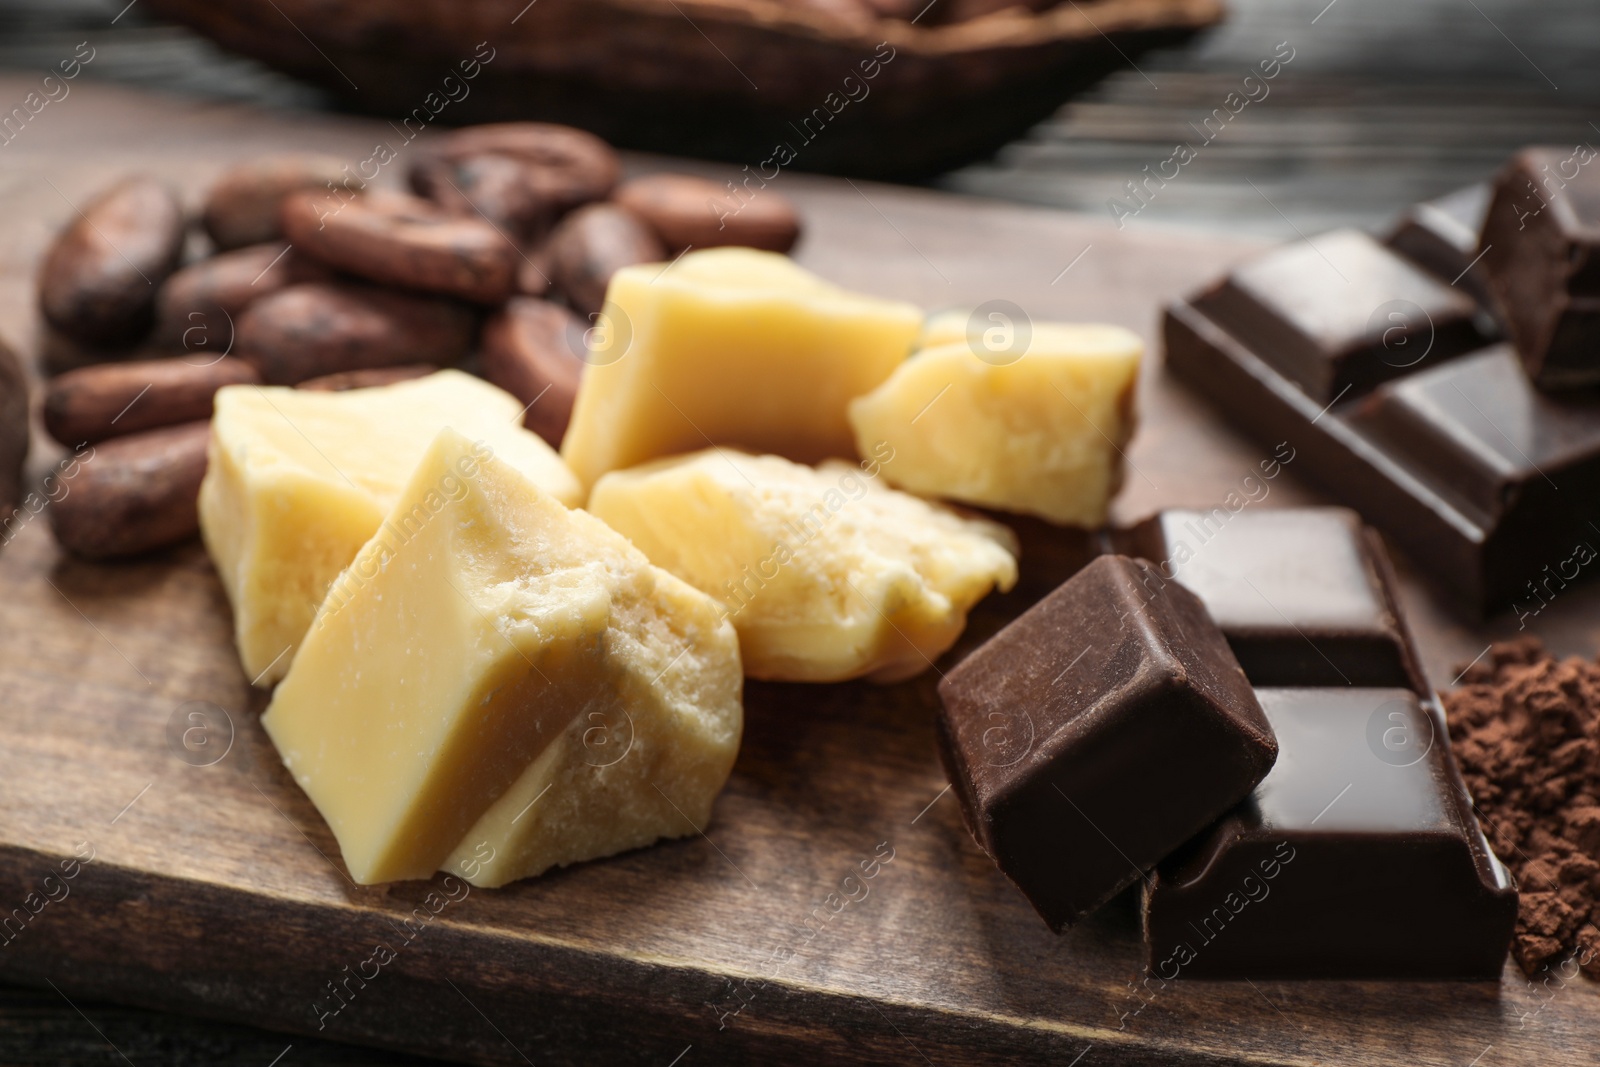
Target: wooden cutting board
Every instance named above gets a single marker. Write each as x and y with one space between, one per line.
217 890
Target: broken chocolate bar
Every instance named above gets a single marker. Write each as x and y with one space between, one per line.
1303 595
1490 485
1441 237
1103 728
1541 252
1357 857
1342 314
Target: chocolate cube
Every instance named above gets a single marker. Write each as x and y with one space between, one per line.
1541 245
1099 731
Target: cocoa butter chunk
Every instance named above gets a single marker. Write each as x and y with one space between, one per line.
1102 729
197 307
1036 424
531 349
499 684
345 381
242 206
406 241
300 479
133 494
560 167
114 399
730 346
690 212
13 430
320 328
826 575
592 244
99 279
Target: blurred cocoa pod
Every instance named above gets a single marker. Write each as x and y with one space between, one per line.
196 308
592 244
242 207
531 349
366 379
114 399
406 241
99 279
132 494
319 328
689 212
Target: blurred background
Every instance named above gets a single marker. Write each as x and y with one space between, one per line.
1383 102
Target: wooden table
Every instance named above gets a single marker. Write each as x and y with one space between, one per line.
212 892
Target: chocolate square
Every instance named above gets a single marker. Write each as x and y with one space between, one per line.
1303 595
1099 731
1341 313
1358 856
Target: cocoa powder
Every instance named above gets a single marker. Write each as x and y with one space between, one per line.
1525 727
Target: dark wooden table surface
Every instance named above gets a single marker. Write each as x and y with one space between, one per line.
1382 103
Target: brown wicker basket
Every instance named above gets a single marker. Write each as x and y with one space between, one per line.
726 79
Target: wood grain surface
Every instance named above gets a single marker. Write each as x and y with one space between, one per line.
217 891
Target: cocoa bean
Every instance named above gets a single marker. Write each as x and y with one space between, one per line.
242 207
531 349
486 186
406 241
592 244
115 399
320 328
13 429
534 275
132 494
98 281
197 306
562 167
689 212
366 379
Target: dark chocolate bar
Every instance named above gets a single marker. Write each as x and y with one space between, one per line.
1441 237
1541 252
1100 730
1339 315
1491 486
1303 595
1357 857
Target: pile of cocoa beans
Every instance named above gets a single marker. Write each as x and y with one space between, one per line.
497 260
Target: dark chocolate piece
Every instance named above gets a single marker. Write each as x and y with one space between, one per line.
1303 595
1541 251
1103 728
1490 486
1357 857
1441 237
1342 313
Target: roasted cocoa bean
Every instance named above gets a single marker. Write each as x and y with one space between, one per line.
197 307
406 241
242 206
531 349
115 399
492 187
133 494
98 282
366 379
592 244
319 328
689 212
562 168
534 274
13 429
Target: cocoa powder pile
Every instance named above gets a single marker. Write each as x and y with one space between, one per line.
1525 727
